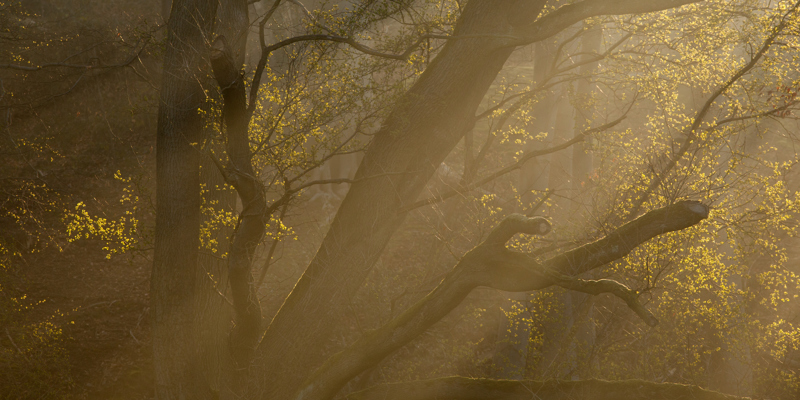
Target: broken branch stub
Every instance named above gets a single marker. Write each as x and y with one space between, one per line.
623 240
517 223
512 271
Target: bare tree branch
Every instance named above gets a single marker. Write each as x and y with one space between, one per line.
133 57
513 167
492 264
567 15
262 61
599 286
691 132
272 247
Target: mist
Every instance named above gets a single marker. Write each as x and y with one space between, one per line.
399 199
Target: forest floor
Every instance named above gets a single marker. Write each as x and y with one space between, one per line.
106 317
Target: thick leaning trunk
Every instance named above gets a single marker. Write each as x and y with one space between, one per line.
173 283
427 123
424 126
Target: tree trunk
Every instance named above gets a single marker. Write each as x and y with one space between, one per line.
174 278
560 162
426 124
581 153
581 306
533 174
511 349
557 332
254 215
166 7
213 313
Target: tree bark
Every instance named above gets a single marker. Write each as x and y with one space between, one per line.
252 218
214 312
166 7
234 21
174 278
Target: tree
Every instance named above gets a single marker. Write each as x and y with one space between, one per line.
177 236
46 65
421 129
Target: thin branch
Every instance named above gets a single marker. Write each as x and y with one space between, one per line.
691 132
535 208
311 16
273 246
22 353
267 50
323 182
354 44
125 63
546 84
226 176
567 15
596 287
262 61
762 114
513 167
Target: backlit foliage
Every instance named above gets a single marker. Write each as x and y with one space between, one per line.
725 291
121 235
